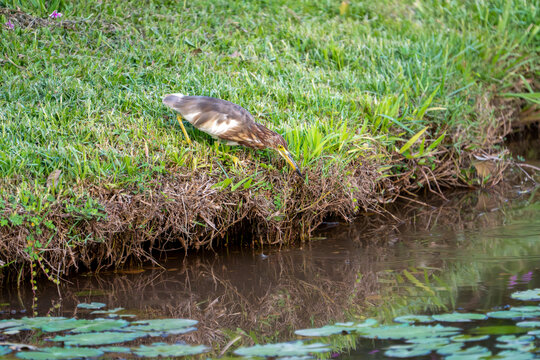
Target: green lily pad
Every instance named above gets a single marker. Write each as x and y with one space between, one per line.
450 349
514 355
525 308
92 305
428 341
407 319
54 353
170 326
101 325
62 325
4 350
99 338
9 323
162 349
406 351
523 343
115 349
338 328
498 330
527 295
406 331
459 317
469 338
510 314
529 324
474 352
513 338
27 323
107 312
295 348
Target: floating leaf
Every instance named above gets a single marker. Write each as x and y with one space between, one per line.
449 349
338 328
530 324
109 312
99 338
92 305
474 352
171 326
414 319
498 330
101 325
439 341
115 349
406 331
513 338
469 338
535 333
62 325
527 295
162 349
509 314
4 350
514 355
525 308
53 353
295 348
459 317
27 323
9 323
406 351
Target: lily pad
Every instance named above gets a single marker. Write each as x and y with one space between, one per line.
406 351
338 328
473 352
162 349
525 308
530 324
4 350
406 331
510 314
99 338
54 353
459 317
428 341
92 305
170 326
513 338
27 323
527 295
100 325
115 349
449 349
295 348
498 330
514 355
469 338
107 312
407 319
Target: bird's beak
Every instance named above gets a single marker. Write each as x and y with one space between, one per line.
288 157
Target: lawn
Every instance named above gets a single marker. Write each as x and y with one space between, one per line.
376 99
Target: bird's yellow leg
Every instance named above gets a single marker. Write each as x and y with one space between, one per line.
183 129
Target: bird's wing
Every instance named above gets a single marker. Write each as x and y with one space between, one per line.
219 118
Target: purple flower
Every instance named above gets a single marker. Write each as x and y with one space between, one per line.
512 282
373 352
527 277
55 14
10 25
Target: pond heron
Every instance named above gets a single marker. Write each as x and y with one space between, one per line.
227 121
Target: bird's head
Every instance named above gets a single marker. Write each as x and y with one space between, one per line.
278 143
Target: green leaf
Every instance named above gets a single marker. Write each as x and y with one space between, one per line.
171 326
92 305
509 314
338 328
459 317
412 140
469 338
527 295
99 338
295 348
406 331
406 351
53 353
162 349
414 319
498 330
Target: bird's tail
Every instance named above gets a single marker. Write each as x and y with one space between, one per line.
172 100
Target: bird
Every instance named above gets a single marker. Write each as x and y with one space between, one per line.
228 122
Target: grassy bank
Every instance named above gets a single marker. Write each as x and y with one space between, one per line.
374 99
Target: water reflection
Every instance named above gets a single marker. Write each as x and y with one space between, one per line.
468 252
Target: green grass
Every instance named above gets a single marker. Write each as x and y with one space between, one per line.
87 101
